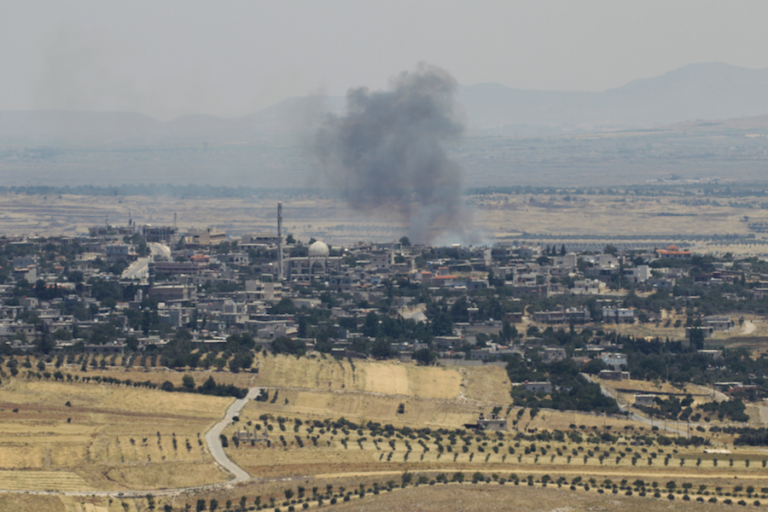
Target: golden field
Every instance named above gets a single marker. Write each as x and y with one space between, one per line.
121 438
496 215
108 437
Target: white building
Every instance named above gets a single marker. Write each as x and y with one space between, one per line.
257 290
317 263
614 360
566 262
639 274
116 251
588 287
553 354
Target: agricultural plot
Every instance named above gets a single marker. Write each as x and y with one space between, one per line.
490 498
295 446
66 436
389 377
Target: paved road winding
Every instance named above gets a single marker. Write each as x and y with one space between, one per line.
214 441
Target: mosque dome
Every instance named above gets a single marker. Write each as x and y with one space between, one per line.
318 250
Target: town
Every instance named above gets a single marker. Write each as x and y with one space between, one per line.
126 288
517 341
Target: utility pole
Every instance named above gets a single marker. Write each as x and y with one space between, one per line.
279 241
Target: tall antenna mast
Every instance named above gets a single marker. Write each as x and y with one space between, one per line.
279 241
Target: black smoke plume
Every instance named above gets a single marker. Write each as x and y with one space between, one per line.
388 152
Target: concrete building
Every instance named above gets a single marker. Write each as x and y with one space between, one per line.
639 274
718 323
645 400
306 302
578 315
536 387
158 233
588 287
245 436
619 315
493 423
203 237
725 387
553 354
259 240
177 268
382 261
714 354
10 329
569 261
529 252
116 251
614 375
614 359
674 252
343 282
258 290
172 292
549 317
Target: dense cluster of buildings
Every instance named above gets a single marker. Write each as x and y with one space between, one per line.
216 286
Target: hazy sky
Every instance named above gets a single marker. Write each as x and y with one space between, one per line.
166 58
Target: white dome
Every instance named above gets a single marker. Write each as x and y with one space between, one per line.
318 250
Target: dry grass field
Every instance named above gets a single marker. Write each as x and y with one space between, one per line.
387 377
449 498
29 503
94 451
108 437
489 498
648 330
496 215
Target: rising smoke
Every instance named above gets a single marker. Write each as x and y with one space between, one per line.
388 153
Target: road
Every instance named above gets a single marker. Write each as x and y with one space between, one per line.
139 269
214 441
632 415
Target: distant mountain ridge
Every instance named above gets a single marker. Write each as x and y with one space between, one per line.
697 91
694 92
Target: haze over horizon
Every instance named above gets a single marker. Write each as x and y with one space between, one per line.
175 58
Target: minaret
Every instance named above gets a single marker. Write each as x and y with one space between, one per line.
279 241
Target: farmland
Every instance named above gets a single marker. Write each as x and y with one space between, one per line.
79 437
325 424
